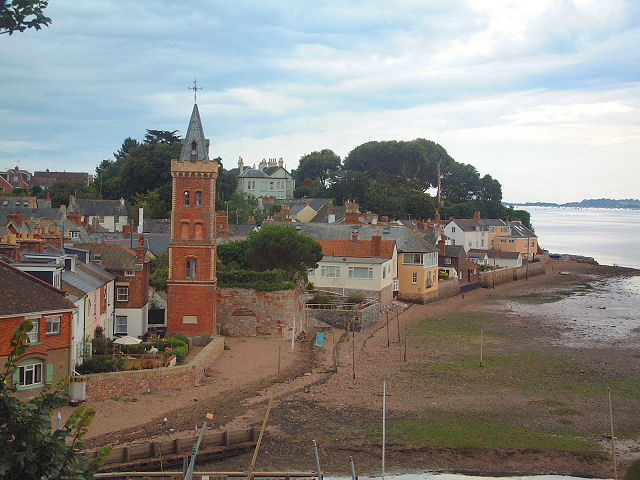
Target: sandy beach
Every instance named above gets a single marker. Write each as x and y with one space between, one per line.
551 346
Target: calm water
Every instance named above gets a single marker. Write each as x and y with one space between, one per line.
611 236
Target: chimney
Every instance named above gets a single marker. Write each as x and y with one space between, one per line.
251 220
240 164
63 211
15 217
476 215
352 212
354 236
140 220
421 226
126 230
280 162
33 203
441 247
48 196
263 164
376 244
140 249
75 217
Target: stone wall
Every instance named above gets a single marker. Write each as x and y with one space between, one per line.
363 318
509 274
446 289
249 313
384 296
134 382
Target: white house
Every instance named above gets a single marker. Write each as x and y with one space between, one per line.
271 179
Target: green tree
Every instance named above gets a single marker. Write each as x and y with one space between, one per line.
60 192
282 247
35 190
23 14
159 271
317 165
31 449
460 182
241 206
226 185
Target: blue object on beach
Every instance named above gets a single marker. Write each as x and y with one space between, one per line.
319 339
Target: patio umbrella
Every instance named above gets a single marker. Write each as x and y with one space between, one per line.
127 340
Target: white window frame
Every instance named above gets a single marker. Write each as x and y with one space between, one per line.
311 272
129 273
330 271
118 323
34 334
75 234
414 277
369 272
36 374
122 294
410 259
191 268
53 323
116 219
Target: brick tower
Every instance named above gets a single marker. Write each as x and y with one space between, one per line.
191 286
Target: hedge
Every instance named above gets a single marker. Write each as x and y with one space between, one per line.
264 281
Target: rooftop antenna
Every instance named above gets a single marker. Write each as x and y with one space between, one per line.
195 89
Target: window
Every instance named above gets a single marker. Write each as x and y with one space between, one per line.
129 273
453 229
311 272
122 294
447 260
34 334
361 272
30 375
270 185
101 218
502 240
412 259
414 277
192 264
120 326
194 150
116 219
482 242
512 241
330 272
384 272
198 199
186 199
492 229
53 325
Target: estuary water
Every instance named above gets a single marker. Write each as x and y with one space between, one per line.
454 476
611 236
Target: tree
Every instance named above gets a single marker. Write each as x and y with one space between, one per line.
30 449
226 185
22 14
241 206
320 165
35 190
280 246
159 271
60 192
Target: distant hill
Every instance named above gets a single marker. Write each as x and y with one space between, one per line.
588 203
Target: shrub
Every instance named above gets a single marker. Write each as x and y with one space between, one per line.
320 297
101 346
180 353
354 298
443 275
265 281
100 363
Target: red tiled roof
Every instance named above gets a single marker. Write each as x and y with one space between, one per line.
357 249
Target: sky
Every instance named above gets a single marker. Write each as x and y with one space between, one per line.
544 95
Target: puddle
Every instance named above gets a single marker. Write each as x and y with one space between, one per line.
602 312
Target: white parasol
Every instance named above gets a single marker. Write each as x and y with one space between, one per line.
127 340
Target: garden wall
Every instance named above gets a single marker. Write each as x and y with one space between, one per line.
509 274
134 382
250 313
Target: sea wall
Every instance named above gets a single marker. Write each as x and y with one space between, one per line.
100 386
362 318
508 274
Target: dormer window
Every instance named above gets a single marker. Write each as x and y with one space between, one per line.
194 150
187 198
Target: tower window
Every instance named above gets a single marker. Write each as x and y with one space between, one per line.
187 198
194 150
198 199
192 264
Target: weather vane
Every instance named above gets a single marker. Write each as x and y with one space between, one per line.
195 89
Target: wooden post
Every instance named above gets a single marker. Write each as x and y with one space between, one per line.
398 320
406 330
279 351
481 347
613 441
264 425
176 445
156 449
293 334
384 422
353 350
387 329
226 438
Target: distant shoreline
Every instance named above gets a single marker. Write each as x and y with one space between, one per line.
630 204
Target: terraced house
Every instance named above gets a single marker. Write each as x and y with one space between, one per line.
25 297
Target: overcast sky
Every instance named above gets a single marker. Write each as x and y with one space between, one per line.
542 95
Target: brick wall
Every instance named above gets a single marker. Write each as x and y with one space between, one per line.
246 312
122 384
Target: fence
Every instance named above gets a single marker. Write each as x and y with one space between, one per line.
206 475
166 448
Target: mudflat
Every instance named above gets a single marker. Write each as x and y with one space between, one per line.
551 346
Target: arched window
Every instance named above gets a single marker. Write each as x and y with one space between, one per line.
198 198
191 268
187 198
194 150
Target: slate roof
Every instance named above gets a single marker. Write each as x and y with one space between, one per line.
520 231
155 243
252 173
85 279
323 213
454 251
406 240
29 213
195 133
357 249
472 225
157 225
112 257
22 293
97 207
491 253
49 178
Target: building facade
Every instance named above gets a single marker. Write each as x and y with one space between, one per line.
271 179
191 286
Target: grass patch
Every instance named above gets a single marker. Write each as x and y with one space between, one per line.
441 430
563 411
453 328
547 402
